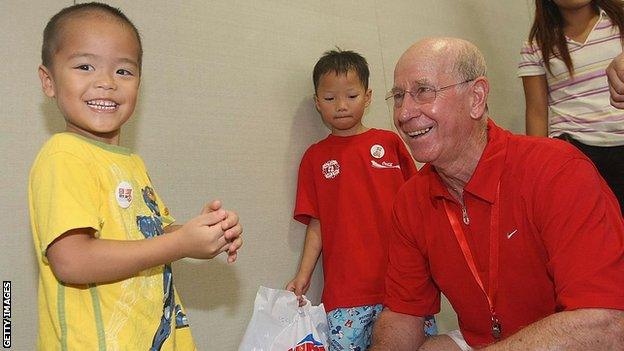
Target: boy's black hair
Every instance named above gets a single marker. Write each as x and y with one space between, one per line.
52 29
341 62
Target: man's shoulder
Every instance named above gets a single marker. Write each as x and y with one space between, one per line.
528 151
417 187
538 160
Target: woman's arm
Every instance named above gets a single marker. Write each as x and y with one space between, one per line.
536 97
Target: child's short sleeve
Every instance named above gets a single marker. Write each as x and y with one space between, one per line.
64 197
306 203
165 216
531 62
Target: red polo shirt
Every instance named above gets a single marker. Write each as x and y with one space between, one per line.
561 238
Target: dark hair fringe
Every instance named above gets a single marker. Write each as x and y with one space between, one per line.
341 62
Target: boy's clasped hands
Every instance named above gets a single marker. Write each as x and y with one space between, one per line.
213 231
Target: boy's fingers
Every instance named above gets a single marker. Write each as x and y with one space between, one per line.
238 243
292 287
231 221
211 206
235 246
234 233
212 218
232 249
215 205
225 246
300 298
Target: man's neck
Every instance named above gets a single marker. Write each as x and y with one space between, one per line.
456 174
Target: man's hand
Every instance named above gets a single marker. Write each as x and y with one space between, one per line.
615 75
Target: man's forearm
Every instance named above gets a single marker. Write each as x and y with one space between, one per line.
397 332
583 329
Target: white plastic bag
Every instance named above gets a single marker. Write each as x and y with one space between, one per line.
279 324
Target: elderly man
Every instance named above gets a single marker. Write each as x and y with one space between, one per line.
521 234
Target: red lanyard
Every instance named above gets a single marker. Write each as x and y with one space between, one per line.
493 272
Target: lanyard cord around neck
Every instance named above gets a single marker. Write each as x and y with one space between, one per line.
470 261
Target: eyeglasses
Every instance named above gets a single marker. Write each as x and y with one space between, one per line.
421 95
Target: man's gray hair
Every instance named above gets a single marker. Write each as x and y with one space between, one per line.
469 63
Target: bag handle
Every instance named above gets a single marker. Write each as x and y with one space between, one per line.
302 312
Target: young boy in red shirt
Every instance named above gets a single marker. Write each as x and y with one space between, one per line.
346 187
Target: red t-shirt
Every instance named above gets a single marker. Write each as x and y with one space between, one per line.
349 184
561 238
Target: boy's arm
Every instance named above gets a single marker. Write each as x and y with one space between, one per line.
77 257
311 252
172 228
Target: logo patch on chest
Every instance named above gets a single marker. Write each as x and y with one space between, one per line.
331 169
377 151
123 194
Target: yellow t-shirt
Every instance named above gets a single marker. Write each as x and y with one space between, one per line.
74 183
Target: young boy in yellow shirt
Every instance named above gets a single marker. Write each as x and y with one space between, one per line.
103 237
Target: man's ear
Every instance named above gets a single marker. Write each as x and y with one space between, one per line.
480 91
47 84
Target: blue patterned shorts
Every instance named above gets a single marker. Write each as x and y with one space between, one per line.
351 328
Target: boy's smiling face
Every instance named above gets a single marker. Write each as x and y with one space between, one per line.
95 75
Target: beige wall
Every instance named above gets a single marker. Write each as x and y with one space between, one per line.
226 112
